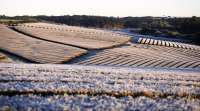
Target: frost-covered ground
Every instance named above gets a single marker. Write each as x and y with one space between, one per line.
75 87
100 103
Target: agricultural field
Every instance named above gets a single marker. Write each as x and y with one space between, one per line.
77 36
145 56
60 67
36 50
74 87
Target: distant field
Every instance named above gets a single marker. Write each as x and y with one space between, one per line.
77 36
9 21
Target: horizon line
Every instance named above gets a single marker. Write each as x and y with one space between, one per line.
164 16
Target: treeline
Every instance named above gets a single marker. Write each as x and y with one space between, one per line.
86 21
188 28
184 25
102 21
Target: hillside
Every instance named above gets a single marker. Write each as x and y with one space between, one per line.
49 66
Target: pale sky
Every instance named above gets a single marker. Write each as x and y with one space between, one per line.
121 8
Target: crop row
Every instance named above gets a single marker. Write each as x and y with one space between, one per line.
166 43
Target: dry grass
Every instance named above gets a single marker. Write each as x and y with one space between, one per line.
71 87
60 79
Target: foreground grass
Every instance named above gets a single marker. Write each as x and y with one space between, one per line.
51 86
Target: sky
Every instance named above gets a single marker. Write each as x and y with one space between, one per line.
116 8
